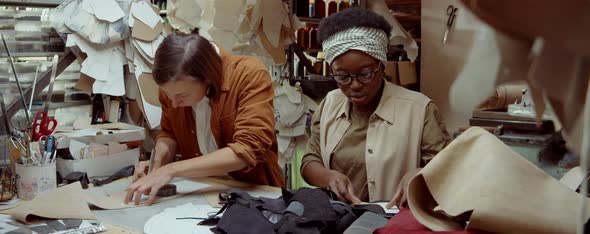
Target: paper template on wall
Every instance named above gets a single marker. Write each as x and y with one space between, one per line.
107 10
145 21
152 113
104 64
150 88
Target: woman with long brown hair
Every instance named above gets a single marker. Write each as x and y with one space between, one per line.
217 112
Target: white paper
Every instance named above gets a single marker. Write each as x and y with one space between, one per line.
114 86
267 194
75 148
144 12
129 53
86 132
227 13
130 18
190 12
148 48
167 222
107 10
139 51
85 5
140 64
393 210
104 64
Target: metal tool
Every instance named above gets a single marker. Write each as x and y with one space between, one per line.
166 190
33 89
5 116
451 12
152 158
20 91
45 125
20 152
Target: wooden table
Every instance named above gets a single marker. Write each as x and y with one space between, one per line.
132 220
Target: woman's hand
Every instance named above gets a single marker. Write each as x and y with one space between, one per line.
400 199
341 185
141 170
149 185
164 149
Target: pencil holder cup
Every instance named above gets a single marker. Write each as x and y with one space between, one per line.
32 180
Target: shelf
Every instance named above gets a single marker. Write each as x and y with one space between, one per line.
407 18
31 3
32 54
58 105
310 20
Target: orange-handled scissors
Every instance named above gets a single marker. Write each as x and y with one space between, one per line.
43 125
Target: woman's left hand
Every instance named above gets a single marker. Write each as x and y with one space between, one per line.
400 199
149 185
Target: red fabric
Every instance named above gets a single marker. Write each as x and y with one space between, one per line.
404 222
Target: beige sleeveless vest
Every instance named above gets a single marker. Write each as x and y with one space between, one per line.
393 137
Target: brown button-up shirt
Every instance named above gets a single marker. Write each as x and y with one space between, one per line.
241 119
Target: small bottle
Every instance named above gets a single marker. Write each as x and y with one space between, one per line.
343 4
332 7
301 8
303 38
311 12
324 64
320 9
313 41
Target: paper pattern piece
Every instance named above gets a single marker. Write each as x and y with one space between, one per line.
53 205
144 32
111 196
480 178
98 21
104 64
162 222
150 88
142 11
106 10
153 114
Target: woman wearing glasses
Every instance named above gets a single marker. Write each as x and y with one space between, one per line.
368 134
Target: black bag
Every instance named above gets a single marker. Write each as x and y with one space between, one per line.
307 210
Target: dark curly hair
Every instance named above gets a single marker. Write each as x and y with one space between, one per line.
351 18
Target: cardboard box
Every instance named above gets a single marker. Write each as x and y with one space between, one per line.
126 133
99 166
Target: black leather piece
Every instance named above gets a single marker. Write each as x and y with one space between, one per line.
241 219
125 172
77 176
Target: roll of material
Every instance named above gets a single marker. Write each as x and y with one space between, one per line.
503 96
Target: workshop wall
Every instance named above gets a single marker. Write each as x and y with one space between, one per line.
442 64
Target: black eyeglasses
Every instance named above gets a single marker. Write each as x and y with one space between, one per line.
363 77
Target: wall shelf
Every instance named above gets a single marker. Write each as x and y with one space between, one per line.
310 20
31 3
